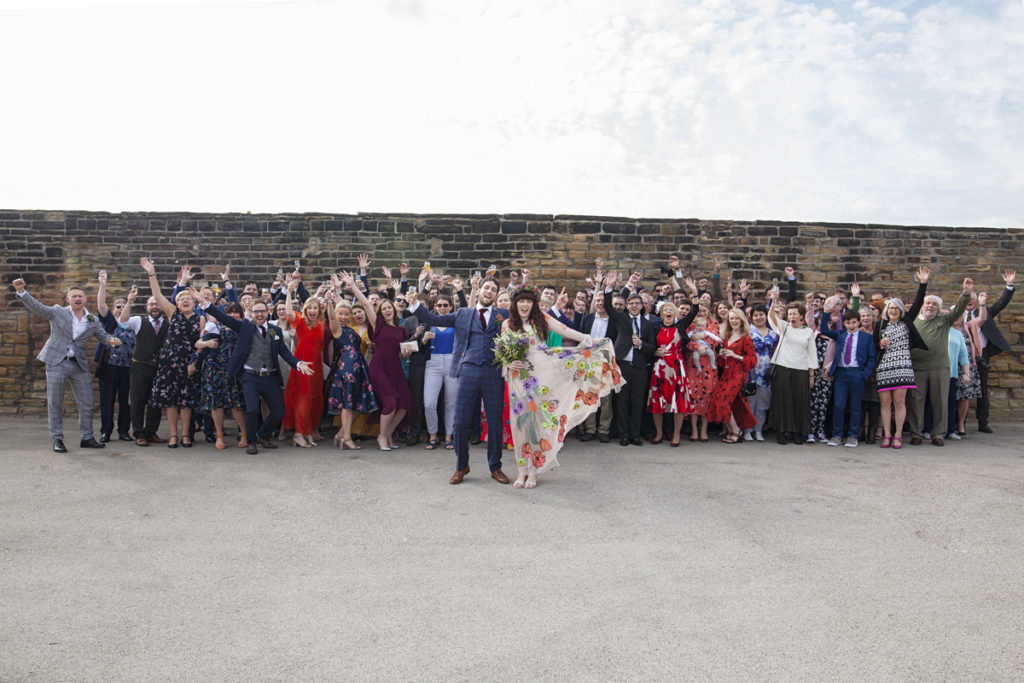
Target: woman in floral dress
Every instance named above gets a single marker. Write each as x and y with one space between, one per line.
176 384
554 388
351 392
221 391
737 358
703 378
670 388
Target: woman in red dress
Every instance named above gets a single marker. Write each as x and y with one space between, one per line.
304 394
670 390
738 357
703 375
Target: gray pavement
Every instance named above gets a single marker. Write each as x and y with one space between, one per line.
706 561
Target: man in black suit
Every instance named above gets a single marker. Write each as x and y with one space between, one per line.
598 325
635 343
992 343
254 361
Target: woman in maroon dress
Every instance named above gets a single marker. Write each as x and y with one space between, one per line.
670 390
386 375
738 357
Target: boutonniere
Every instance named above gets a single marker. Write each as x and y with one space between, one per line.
498 318
90 317
273 333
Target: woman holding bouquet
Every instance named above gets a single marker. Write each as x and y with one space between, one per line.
550 390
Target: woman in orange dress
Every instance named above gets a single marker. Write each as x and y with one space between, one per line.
304 394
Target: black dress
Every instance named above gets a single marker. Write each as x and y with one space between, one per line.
172 386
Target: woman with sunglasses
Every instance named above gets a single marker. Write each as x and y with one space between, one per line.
440 343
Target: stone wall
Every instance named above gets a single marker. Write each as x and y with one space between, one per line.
52 249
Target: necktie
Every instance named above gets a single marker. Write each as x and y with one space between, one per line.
156 326
483 318
636 326
263 331
847 353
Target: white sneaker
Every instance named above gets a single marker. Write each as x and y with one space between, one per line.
758 436
810 438
926 435
954 436
851 442
747 436
822 438
835 441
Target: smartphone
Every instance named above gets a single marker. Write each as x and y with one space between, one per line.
477 274
103 273
296 264
135 288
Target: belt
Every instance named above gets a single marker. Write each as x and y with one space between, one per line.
261 373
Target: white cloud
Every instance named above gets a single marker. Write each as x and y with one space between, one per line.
721 108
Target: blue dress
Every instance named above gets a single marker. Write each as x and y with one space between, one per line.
350 385
221 390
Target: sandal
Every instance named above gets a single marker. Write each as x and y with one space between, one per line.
731 438
531 483
450 445
518 483
897 442
220 443
431 444
886 441
350 445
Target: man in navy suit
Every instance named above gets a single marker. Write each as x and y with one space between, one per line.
992 343
478 376
254 360
854 361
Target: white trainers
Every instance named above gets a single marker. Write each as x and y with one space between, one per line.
926 435
758 436
810 438
747 436
851 442
954 436
835 441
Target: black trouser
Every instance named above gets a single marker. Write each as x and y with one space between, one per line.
631 399
115 383
981 410
416 372
141 386
267 387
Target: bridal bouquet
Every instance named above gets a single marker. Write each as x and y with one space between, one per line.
510 346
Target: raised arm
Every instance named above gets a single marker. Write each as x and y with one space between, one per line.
126 312
101 295
350 282
329 298
165 305
289 311
923 273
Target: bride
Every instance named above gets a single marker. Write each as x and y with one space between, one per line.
554 388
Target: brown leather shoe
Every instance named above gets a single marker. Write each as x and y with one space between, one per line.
155 439
937 441
915 441
458 476
141 442
499 476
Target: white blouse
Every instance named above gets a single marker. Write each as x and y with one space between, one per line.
796 350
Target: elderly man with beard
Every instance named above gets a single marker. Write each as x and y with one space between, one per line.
931 365
150 332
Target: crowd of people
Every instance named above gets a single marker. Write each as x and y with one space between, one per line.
395 361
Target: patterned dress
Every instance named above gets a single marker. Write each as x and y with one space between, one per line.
821 392
727 400
703 379
973 388
172 386
895 370
670 388
219 389
558 390
350 384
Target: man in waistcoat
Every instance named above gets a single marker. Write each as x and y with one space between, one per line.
150 332
67 360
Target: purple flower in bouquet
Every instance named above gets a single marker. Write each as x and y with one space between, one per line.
530 383
518 407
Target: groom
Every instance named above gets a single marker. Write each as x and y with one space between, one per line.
475 330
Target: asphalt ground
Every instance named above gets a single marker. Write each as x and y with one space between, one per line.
708 561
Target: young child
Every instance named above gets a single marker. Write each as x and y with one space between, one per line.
852 366
703 337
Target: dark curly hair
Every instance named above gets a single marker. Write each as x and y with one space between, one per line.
537 319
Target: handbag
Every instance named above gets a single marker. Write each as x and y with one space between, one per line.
769 373
748 389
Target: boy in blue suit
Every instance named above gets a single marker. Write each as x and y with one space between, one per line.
854 361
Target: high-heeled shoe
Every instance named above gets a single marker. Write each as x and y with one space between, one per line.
299 441
350 445
242 441
172 442
186 444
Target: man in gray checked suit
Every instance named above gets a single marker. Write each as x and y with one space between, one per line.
66 359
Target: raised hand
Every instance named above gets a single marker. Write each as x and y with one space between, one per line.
457 284
364 262
562 299
412 298
226 274
185 274
102 278
744 286
599 263
526 275
403 270
18 284
514 277
718 264
147 265
610 279
691 285
968 285
788 270
855 290
386 272
196 296
923 273
474 281
1009 276
982 298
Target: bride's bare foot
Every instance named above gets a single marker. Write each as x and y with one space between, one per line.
518 483
531 482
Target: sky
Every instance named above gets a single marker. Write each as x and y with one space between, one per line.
906 112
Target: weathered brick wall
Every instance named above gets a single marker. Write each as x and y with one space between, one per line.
51 249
